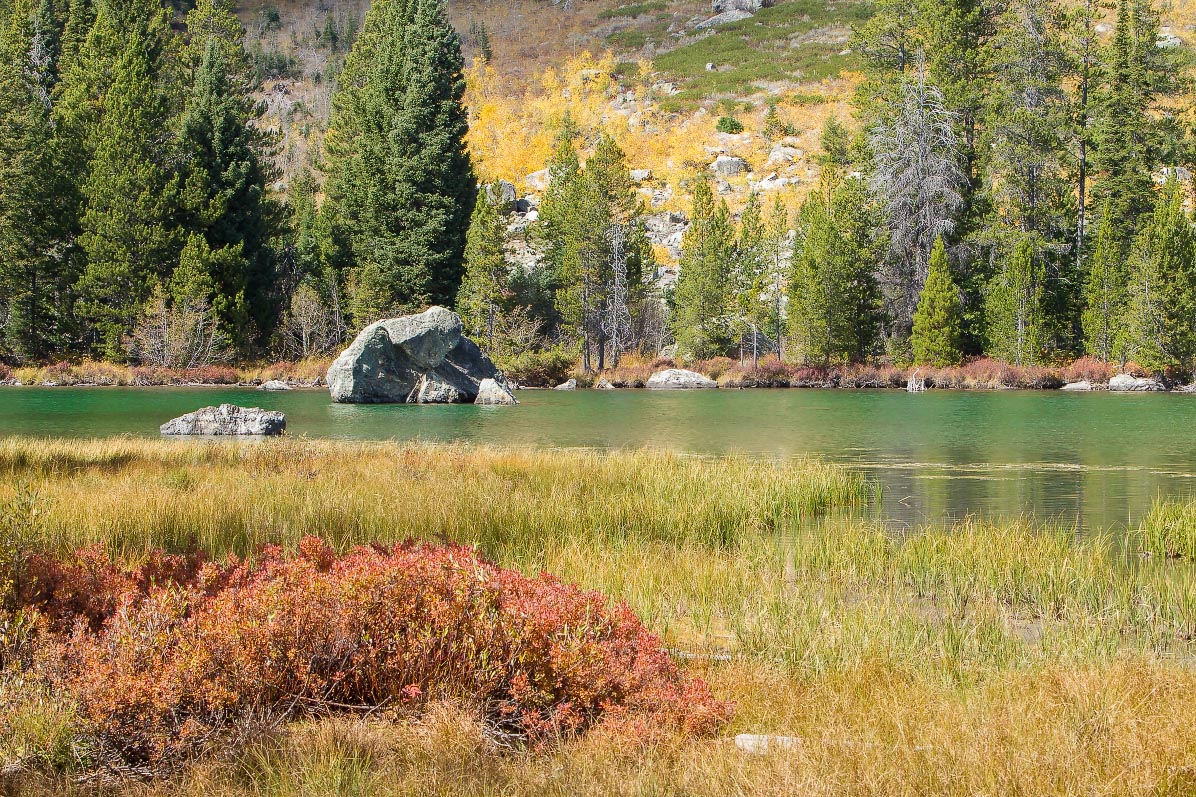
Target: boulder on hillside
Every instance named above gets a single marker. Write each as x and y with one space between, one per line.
729 166
227 419
274 385
416 359
494 393
680 379
1125 383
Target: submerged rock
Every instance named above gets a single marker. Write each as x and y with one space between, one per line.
1125 383
227 419
494 393
680 379
416 359
1079 387
274 385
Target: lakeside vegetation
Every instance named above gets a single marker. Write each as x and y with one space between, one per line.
980 657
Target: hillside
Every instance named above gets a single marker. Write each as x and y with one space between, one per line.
654 74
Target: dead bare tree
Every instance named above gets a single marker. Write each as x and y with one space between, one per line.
616 321
919 181
181 334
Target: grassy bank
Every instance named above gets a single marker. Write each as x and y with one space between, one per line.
976 659
104 374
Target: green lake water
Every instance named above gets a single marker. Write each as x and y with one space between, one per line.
1098 460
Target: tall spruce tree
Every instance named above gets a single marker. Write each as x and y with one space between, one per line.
1106 296
701 320
222 185
1014 307
1161 330
127 236
483 290
938 330
1125 132
834 301
400 184
35 273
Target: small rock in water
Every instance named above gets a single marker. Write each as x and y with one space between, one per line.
492 393
604 385
570 385
1078 387
227 419
680 379
275 385
762 744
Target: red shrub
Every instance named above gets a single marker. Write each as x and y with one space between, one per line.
714 367
187 649
5 372
211 375
1087 368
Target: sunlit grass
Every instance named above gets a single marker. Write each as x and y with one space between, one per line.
981 658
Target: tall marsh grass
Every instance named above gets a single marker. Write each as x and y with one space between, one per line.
980 658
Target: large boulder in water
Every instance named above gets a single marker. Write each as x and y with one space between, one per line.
416 359
227 419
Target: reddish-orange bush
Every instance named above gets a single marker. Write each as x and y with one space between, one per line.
1088 368
5 372
164 657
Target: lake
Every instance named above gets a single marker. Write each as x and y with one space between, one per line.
1098 460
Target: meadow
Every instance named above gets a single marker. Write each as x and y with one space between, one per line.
978 658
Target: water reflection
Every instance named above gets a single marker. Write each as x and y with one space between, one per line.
1091 460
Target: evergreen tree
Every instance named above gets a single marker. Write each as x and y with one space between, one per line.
1014 307
34 268
1162 289
700 320
937 321
1125 133
223 172
1106 296
483 289
401 185
834 300
127 234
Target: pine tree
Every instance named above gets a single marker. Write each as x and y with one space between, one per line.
223 174
700 320
483 289
1106 296
1014 307
937 321
127 234
835 302
34 267
1162 319
401 185
1125 133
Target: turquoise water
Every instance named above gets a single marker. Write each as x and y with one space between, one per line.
1097 459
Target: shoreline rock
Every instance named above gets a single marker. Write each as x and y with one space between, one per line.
680 379
1126 383
227 419
493 393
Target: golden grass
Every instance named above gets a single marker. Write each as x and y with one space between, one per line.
979 659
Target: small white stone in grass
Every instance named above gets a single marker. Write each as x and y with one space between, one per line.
762 744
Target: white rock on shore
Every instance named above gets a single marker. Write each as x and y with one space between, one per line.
493 393
680 379
1082 386
1125 383
274 385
